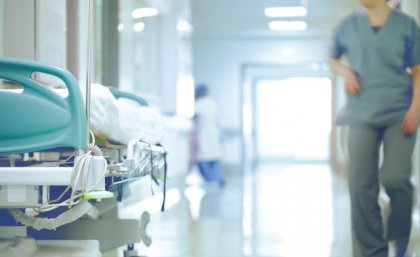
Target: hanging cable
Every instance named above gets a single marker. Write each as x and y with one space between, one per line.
165 170
152 177
78 182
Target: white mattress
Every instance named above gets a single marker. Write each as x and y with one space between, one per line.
122 120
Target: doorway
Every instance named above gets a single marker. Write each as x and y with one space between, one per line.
293 119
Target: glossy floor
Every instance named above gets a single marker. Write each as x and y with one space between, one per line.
275 210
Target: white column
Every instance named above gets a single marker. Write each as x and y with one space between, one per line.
168 62
19 29
82 28
50 32
126 80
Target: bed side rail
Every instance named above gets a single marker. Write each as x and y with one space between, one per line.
122 94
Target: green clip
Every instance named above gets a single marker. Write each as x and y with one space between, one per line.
97 195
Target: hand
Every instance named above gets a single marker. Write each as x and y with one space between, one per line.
410 122
352 83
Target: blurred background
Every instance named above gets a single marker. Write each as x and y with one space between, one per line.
265 63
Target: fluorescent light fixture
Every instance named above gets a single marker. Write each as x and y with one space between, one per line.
144 12
296 11
183 26
139 26
288 25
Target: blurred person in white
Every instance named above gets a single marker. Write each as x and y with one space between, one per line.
206 137
382 81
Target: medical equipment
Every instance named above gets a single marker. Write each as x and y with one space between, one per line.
53 183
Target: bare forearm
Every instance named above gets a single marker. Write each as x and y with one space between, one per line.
415 104
339 68
351 80
411 118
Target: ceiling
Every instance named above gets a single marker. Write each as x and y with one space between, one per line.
246 17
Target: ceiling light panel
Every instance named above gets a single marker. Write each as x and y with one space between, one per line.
293 11
144 12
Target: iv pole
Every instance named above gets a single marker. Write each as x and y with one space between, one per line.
89 67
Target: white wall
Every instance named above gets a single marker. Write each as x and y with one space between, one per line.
169 62
152 61
126 62
219 61
1 28
176 141
411 7
35 29
82 55
19 29
51 32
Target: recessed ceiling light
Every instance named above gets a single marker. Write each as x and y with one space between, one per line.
296 11
144 12
288 25
120 27
139 26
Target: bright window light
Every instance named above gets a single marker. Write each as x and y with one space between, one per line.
144 12
287 52
139 26
183 26
297 11
288 25
303 139
185 96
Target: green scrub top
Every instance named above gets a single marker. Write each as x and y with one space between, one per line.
380 60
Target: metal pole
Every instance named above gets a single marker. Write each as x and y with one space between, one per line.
88 66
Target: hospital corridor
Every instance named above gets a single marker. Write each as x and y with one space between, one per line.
278 209
209 128
273 222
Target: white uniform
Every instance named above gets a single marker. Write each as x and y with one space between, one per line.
208 137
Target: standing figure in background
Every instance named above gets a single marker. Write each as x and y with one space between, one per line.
382 82
206 139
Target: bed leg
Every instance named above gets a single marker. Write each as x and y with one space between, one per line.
130 252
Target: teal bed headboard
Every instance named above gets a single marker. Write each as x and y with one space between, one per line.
38 118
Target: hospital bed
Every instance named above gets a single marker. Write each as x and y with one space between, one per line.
59 180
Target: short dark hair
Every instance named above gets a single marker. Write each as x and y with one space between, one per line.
201 90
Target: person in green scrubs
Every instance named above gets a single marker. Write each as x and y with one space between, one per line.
376 49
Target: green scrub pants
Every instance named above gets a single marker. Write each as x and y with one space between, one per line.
365 174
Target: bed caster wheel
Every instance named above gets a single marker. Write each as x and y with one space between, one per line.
130 252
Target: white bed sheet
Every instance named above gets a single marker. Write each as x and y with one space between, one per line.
121 120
